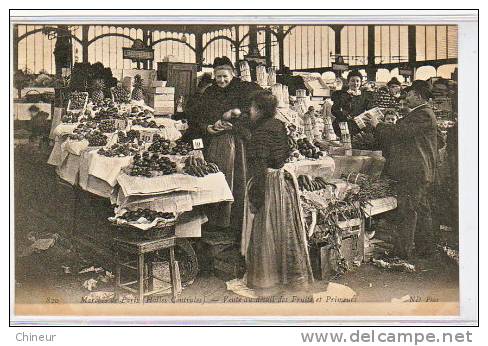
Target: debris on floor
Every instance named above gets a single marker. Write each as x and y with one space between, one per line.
38 244
90 269
238 286
396 264
90 284
451 253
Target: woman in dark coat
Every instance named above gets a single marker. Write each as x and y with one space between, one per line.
273 239
226 140
350 103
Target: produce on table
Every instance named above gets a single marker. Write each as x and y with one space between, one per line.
307 149
120 94
149 215
306 182
369 187
160 145
147 163
198 167
128 137
97 90
70 118
137 92
181 148
145 122
96 138
106 109
119 150
77 99
107 126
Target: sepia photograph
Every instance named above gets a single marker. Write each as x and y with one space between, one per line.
232 168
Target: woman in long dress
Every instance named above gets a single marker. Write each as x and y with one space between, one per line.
226 141
274 241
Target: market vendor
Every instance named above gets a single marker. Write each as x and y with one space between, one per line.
413 156
350 103
226 97
273 239
192 110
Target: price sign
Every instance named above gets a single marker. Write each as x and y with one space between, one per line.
120 124
197 144
146 136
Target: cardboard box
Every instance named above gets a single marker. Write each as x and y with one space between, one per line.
164 97
162 90
162 103
164 110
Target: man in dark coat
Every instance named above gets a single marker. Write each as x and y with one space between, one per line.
413 155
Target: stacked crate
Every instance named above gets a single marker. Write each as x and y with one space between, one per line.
162 99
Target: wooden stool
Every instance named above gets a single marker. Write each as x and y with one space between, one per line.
144 269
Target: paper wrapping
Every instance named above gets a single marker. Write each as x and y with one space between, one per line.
324 167
69 169
64 129
135 185
212 188
106 168
175 202
57 156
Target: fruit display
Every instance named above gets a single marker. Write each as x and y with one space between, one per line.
97 90
160 145
120 95
119 150
105 109
137 92
198 167
145 122
306 182
149 215
307 149
96 138
70 118
181 148
77 100
147 163
107 126
128 137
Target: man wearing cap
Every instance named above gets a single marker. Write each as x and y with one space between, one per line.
413 155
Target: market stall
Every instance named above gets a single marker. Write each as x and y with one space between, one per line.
134 166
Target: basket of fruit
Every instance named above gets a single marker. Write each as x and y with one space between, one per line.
145 223
77 102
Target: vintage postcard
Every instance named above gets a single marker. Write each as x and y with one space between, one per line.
230 168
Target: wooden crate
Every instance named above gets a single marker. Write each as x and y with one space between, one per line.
353 242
